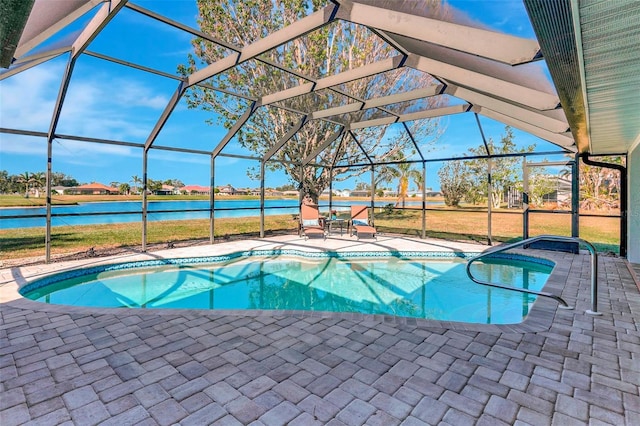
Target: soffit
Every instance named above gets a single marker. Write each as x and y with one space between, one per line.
610 32
592 50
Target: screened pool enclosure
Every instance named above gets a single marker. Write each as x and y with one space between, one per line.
357 89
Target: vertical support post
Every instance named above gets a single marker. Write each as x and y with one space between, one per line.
489 186
62 93
575 197
525 199
424 200
302 188
330 193
300 197
47 241
489 200
373 194
144 199
212 200
262 168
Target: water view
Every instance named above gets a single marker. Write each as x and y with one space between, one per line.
131 211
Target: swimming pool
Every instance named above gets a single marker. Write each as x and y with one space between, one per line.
418 285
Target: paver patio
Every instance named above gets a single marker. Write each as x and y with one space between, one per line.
117 366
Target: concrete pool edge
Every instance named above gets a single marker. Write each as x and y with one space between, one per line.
540 317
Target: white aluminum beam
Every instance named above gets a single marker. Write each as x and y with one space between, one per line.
303 26
378 102
485 83
526 116
47 54
27 45
334 80
215 68
420 115
361 72
107 12
28 62
286 34
487 44
532 117
302 89
344 109
412 95
435 112
373 123
555 138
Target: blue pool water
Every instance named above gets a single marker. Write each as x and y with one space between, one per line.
420 288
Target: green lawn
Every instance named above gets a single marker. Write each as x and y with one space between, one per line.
462 225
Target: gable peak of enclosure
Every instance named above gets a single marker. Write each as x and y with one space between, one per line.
450 56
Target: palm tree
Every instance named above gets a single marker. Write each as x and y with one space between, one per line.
406 173
39 181
27 179
136 182
124 188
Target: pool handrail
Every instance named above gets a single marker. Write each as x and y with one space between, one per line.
563 304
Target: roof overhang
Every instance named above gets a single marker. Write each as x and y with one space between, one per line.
593 56
15 14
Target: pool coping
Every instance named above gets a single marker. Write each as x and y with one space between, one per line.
540 317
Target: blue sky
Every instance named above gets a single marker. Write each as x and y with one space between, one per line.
111 101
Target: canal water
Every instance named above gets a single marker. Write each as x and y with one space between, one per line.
131 211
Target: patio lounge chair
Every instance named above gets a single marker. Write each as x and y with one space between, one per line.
360 225
310 223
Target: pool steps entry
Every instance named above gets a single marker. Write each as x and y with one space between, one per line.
528 241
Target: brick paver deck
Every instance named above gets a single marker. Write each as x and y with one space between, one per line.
114 366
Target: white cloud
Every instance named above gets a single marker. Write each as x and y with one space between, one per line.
172 157
133 94
28 98
96 105
26 145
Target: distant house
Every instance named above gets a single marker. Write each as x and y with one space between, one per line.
227 190
272 193
195 190
59 190
342 192
291 193
165 190
94 188
360 193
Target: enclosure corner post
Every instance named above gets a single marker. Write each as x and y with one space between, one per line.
330 192
212 200
424 200
144 199
525 199
575 197
47 241
373 195
489 201
262 169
